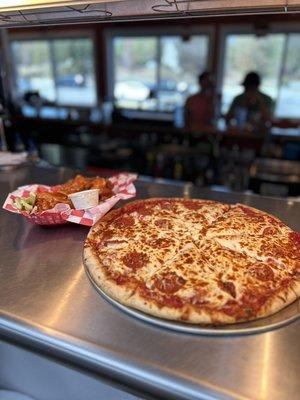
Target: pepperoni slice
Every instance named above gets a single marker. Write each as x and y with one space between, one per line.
295 237
108 234
160 243
231 308
135 260
165 299
253 299
173 301
124 222
191 205
121 279
251 213
145 211
263 273
92 243
269 231
189 260
273 250
169 282
163 223
228 287
167 205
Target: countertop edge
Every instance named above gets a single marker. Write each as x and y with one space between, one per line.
107 363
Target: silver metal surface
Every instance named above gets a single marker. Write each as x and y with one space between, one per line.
48 304
276 321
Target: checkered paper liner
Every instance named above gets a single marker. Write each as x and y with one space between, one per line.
123 188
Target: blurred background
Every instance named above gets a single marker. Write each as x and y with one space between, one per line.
119 96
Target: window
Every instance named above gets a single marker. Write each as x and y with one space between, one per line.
135 71
275 57
288 102
157 73
61 70
33 68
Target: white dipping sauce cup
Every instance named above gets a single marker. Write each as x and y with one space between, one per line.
85 199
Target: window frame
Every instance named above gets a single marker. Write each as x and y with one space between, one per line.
155 32
244 29
48 37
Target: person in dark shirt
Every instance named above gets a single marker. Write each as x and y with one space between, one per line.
199 108
252 106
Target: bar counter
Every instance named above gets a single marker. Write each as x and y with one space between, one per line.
47 304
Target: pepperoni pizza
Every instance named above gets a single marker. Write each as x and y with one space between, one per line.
196 261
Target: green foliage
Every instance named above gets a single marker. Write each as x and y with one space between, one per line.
73 56
134 52
292 64
247 52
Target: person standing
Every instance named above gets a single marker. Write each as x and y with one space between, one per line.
252 107
199 108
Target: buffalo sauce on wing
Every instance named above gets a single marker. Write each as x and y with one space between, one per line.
48 200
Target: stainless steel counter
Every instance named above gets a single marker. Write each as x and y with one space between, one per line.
47 303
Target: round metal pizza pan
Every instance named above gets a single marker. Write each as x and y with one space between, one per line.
278 320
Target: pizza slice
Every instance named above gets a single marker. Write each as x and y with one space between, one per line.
281 250
130 251
169 214
215 285
244 220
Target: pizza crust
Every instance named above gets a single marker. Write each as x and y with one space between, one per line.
99 276
280 300
130 295
193 315
185 314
